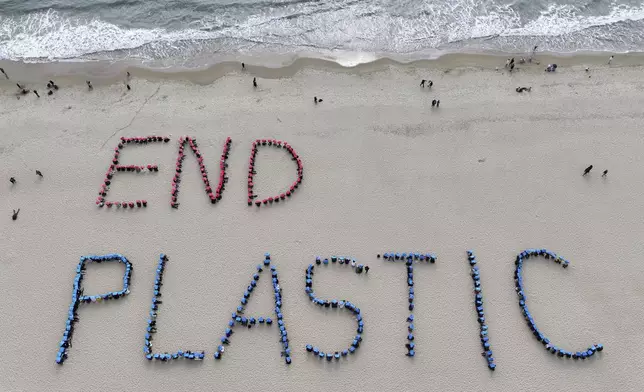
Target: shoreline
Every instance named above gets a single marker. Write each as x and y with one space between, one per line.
106 72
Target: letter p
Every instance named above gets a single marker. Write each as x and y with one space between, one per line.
78 297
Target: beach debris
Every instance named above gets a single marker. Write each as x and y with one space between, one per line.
251 171
605 173
238 317
522 89
152 323
79 298
587 170
12 180
223 179
518 279
89 85
409 259
4 73
334 304
14 216
39 173
478 304
115 167
610 59
255 82
551 68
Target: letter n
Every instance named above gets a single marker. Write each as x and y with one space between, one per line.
213 194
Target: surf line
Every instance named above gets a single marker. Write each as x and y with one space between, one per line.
242 320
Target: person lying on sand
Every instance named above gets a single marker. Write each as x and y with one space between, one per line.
522 89
551 68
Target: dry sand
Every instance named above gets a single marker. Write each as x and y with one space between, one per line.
491 170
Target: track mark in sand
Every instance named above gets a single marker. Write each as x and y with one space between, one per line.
133 117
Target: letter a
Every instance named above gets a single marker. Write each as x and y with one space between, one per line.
238 317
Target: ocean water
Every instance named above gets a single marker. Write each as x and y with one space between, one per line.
197 32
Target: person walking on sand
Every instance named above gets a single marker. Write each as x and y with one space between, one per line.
422 83
255 82
15 214
604 173
588 169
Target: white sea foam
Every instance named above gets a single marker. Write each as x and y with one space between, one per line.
336 26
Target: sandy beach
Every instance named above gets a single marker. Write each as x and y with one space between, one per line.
490 170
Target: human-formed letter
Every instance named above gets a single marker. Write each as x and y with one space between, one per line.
478 305
409 261
239 318
78 297
115 167
251 172
213 195
518 280
152 323
342 304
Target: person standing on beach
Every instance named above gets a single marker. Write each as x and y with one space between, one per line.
255 82
604 173
610 59
12 180
422 83
15 214
243 66
4 73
